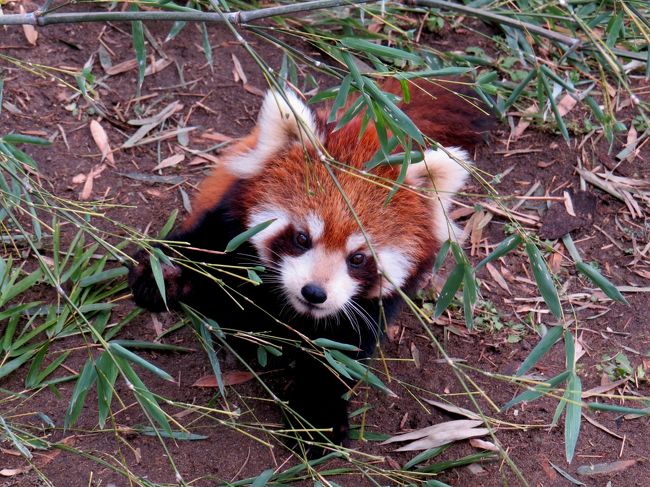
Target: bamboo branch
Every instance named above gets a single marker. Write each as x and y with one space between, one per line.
39 18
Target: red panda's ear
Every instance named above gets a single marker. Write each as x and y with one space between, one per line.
445 171
283 120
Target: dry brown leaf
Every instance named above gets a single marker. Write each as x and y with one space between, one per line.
568 203
483 445
87 190
229 379
415 353
454 409
122 67
215 136
422 432
10 472
79 178
254 91
170 161
237 71
101 140
524 121
157 66
566 104
31 34
498 278
602 389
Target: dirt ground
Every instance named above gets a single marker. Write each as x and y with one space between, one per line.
216 104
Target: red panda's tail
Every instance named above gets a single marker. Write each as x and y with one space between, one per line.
447 110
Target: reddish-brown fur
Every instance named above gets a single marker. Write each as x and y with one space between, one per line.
294 182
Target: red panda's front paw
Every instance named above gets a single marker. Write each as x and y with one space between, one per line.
144 287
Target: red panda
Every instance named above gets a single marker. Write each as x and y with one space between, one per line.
336 254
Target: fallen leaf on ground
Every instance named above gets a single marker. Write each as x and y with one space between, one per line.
483 445
31 34
237 71
87 190
10 472
101 140
440 434
229 379
604 468
169 161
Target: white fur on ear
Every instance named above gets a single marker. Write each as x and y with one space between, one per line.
446 172
280 122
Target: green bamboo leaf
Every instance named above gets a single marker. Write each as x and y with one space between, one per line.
556 111
169 224
175 30
449 464
120 351
142 345
206 338
398 118
12 365
156 271
20 446
85 381
2 85
601 281
263 478
573 416
244 236
10 292
424 456
144 397
544 345
137 33
106 275
107 372
359 371
442 255
331 344
519 89
42 375
379 50
25 139
614 408
341 98
537 391
177 435
544 279
336 365
449 289
432 73
508 244
207 47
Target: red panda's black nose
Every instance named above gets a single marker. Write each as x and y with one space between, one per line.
313 293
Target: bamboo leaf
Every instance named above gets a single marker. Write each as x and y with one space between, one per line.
573 416
85 381
537 391
424 456
544 345
331 344
442 255
379 50
107 371
449 289
144 397
614 408
508 244
136 359
544 279
601 281
244 236
25 139
156 271
103 276
137 33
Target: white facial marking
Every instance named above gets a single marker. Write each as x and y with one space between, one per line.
280 121
395 266
323 268
316 226
447 171
260 240
354 242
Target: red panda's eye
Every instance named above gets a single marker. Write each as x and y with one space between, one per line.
357 259
302 240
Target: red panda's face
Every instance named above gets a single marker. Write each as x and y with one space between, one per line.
321 270
332 242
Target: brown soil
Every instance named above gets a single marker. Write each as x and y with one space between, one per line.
213 102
